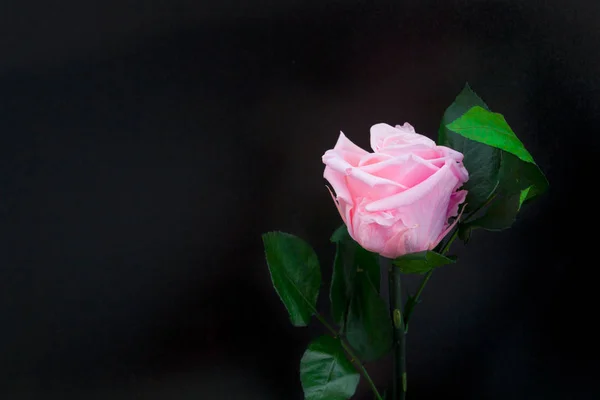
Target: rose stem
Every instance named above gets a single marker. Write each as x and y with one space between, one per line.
399 344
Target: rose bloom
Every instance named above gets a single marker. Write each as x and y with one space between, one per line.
398 199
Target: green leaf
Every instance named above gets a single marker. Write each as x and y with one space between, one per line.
295 273
500 215
348 255
490 128
515 177
367 326
482 161
523 195
519 183
464 232
465 100
340 234
421 262
326 373
355 302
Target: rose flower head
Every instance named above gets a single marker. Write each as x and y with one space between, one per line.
398 199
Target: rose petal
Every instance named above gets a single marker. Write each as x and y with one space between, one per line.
373 158
348 150
398 244
422 208
351 182
406 137
447 230
422 150
345 209
442 178
407 170
338 182
448 152
361 184
378 134
406 127
459 170
456 199
372 230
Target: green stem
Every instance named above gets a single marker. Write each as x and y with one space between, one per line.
449 242
399 344
362 369
408 311
326 324
353 358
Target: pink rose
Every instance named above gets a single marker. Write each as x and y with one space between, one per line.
398 199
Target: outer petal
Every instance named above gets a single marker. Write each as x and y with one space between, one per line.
345 209
459 169
338 182
448 152
456 199
351 183
372 230
461 173
398 244
423 209
335 173
442 178
345 144
348 150
448 227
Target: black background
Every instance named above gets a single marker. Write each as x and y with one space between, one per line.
147 145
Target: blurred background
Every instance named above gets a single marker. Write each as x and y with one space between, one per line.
145 146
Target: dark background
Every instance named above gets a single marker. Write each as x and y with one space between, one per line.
147 145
